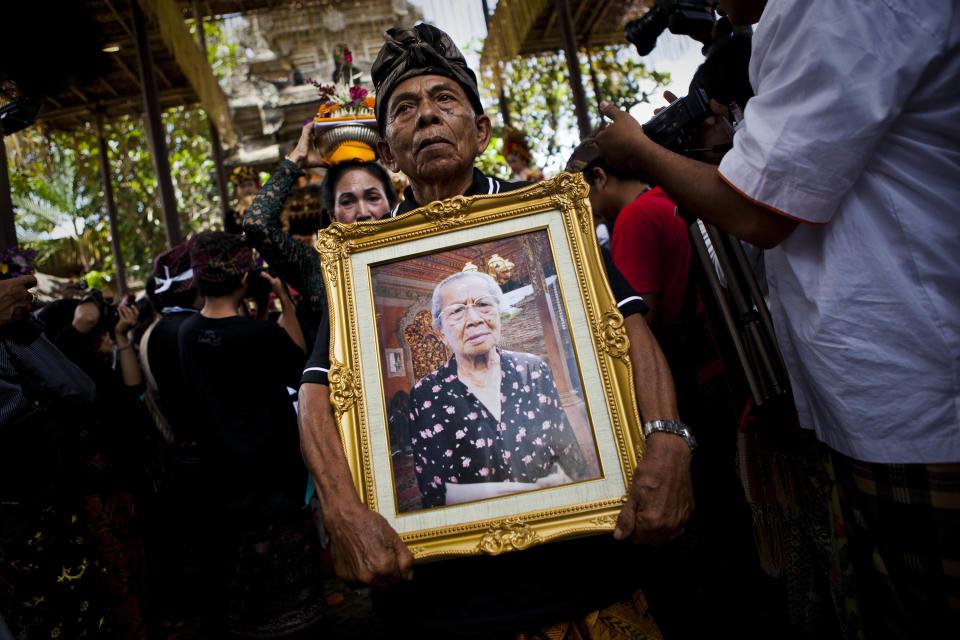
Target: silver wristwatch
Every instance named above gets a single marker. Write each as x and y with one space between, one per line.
671 426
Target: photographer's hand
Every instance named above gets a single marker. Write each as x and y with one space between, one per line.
288 311
129 367
693 184
670 97
127 320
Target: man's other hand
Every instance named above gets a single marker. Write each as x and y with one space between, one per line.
660 500
367 550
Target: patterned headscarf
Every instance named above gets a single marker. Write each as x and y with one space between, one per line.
418 51
171 270
585 153
216 264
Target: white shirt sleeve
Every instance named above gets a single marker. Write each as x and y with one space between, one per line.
830 76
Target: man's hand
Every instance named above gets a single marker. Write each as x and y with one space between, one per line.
660 500
693 184
619 141
367 550
15 300
303 155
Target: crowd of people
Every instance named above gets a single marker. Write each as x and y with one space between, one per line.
172 468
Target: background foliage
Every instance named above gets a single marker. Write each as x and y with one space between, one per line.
58 191
537 89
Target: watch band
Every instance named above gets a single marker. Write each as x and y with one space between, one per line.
671 426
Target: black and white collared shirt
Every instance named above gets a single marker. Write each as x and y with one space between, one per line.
482 185
628 300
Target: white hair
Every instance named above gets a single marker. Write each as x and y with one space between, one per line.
490 281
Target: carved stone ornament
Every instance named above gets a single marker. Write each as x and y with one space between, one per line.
446 214
612 336
507 534
344 388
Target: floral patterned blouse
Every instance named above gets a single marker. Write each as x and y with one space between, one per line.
294 262
456 439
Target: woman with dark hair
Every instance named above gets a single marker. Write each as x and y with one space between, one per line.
357 191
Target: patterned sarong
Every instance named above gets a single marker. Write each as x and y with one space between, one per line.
627 619
903 525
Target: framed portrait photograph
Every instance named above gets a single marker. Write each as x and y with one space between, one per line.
479 371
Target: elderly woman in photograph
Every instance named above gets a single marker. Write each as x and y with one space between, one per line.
488 422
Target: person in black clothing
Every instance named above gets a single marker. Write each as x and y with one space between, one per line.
170 537
174 296
237 369
433 128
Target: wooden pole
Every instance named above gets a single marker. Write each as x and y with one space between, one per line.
216 148
594 80
503 103
155 133
8 230
565 21
105 176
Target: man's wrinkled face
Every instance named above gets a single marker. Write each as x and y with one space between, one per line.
431 131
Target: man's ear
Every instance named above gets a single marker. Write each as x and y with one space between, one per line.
600 178
484 132
386 156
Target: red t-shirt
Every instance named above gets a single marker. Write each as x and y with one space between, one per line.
651 248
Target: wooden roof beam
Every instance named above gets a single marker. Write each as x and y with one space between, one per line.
108 87
120 103
79 93
598 8
126 68
551 21
129 32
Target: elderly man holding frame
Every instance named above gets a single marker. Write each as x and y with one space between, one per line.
433 128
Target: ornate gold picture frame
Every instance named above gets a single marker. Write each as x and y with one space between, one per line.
567 411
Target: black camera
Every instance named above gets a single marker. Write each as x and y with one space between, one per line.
678 126
691 18
109 316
